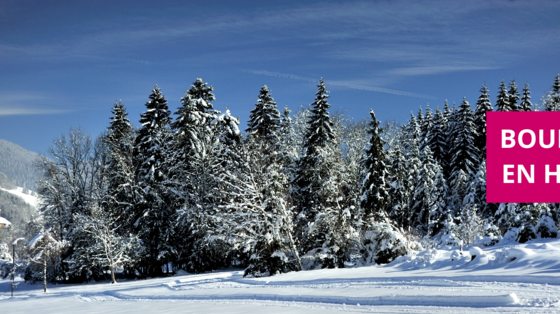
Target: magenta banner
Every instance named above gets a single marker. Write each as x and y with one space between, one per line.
523 157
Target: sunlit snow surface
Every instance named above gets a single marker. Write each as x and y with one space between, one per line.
508 278
30 199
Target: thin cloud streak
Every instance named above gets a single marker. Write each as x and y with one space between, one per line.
30 111
350 85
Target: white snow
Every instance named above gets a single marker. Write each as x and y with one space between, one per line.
476 251
30 199
4 221
507 278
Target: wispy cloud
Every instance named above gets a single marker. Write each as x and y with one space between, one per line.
7 111
27 103
348 84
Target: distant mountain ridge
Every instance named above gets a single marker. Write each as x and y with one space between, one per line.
18 164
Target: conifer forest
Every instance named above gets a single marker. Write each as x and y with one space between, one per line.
301 188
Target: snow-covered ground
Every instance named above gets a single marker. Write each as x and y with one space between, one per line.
30 199
507 278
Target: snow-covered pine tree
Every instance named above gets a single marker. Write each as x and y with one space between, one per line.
439 209
483 105
412 137
400 189
354 138
502 103
273 248
426 128
457 192
437 139
446 112
464 154
472 226
423 197
286 134
201 150
193 129
121 195
154 214
513 95
315 187
546 227
264 120
420 121
451 134
476 194
413 165
375 186
518 221
526 104
552 99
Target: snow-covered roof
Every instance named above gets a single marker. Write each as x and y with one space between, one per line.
4 221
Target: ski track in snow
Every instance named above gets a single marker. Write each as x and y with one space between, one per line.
427 283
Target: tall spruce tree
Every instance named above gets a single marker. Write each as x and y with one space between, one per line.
513 95
503 101
264 120
437 139
439 208
375 188
426 128
424 197
483 105
526 104
464 154
552 99
400 188
315 186
153 213
122 190
287 139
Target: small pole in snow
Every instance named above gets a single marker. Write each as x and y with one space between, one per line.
13 265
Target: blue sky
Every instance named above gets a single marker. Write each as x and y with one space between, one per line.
65 63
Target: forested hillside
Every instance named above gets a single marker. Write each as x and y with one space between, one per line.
18 164
302 191
15 209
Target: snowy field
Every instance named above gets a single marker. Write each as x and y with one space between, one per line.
508 278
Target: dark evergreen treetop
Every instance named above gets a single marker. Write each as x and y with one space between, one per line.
464 154
264 120
375 188
503 101
120 124
426 128
420 118
556 85
437 139
413 134
483 105
192 126
526 104
552 99
119 163
513 95
320 127
150 139
446 112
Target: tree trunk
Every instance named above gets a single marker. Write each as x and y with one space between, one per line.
112 274
294 249
44 273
